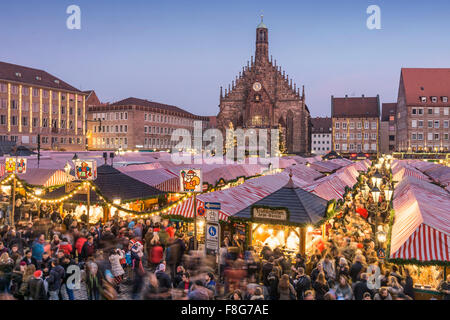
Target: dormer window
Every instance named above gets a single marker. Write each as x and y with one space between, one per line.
38 78
56 81
18 74
423 99
444 99
434 99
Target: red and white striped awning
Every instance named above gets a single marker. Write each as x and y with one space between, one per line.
421 228
186 209
45 177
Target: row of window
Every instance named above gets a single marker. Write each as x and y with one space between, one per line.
323 149
15 105
430 124
430 111
430 136
167 119
429 148
320 135
35 122
121 142
356 147
359 124
111 129
321 142
36 91
158 130
434 99
111 116
351 136
44 140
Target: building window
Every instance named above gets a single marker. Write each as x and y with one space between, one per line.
430 123
337 136
437 110
414 123
436 136
434 99
446 111
445 124
366 124
436 124
337 125
430 110
344 125
337 147
413 136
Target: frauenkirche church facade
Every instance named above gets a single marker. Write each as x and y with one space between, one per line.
263 97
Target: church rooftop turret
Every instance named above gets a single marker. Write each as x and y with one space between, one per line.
261 25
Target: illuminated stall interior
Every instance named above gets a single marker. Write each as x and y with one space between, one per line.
289 218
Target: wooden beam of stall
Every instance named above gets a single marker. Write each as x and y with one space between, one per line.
302 240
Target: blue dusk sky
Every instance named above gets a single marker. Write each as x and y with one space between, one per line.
181 52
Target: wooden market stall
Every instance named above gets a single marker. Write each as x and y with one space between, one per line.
420 233
287 218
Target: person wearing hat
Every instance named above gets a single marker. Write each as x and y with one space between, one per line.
165 284
37 287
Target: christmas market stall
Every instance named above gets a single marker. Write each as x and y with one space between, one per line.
289 219
110 191
420 233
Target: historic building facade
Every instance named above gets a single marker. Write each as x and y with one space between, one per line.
388 128
34 102
263 97
321 135
135 123
356 124
423 110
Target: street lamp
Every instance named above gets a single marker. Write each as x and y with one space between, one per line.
376 194
388 194
376 179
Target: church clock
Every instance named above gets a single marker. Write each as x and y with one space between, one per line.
257 86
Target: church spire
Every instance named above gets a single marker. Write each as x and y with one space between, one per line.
262 42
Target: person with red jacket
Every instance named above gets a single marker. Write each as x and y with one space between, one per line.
65 246
79 244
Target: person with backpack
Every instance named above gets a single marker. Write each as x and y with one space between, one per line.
36 286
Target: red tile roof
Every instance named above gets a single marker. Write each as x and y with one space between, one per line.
387 110
355 107
35 77
321 125
145 103
426 82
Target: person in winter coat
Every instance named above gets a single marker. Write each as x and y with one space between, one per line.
302 283
356 268
273 281
320 286
165 284
66 263
65 246
383 294
24 289
88 249
156 253
342 268
55 280
6 269
94 281
361 287
285 289
79 243
343 290
37 248
394 287
408 284
36 287
116 267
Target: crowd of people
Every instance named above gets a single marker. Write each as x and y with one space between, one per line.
157 260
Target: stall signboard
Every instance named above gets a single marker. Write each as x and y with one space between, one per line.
16 165
260 213
212 212
212 238
191 180
85 170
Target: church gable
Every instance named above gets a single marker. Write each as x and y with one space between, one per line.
263 96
